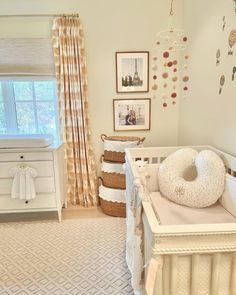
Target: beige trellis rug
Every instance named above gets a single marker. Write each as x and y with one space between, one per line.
77 257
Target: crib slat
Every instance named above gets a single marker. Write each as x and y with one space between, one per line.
216 258
195 274
174 274
233 275
166 275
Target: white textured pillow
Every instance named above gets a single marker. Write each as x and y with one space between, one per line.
202 191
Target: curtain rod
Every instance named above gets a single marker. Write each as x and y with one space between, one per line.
37 15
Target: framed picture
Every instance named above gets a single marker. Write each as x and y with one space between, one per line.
132 114
132 71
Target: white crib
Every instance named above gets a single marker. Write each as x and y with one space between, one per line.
192 257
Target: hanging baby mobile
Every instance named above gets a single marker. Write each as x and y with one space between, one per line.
171 47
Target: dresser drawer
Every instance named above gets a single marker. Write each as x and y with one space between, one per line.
43 168
15 157
42 185
40 202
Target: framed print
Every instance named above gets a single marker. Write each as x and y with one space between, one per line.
132 71
132 114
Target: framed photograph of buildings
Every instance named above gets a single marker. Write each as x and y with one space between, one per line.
132 71
132 114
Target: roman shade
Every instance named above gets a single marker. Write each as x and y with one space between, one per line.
31 56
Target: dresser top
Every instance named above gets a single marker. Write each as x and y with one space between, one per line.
51 148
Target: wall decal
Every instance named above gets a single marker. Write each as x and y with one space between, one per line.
218 57
222 82
234 2
232 41
234 72
224 23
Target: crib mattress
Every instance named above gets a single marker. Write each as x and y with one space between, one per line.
169 213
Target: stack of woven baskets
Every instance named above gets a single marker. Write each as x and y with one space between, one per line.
112 188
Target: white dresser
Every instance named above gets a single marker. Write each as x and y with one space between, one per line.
50 182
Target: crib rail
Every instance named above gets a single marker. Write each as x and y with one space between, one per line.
155 155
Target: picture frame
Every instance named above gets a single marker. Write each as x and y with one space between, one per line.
132 114
132 71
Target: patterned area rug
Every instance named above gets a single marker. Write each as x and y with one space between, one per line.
77 257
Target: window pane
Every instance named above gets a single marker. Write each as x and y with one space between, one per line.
25 117
1 95
23 91
44 90
46 117
2 119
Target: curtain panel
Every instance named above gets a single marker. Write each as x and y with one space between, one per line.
71 74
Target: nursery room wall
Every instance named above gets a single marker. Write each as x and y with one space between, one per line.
207 117
109 26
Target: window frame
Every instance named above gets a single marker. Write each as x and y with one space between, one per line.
9 103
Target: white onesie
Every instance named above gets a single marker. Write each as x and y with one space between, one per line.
23 186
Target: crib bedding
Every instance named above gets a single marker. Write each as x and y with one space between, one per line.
169 213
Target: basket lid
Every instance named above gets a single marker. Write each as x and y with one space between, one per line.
122 138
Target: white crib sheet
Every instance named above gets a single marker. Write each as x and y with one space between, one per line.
170 213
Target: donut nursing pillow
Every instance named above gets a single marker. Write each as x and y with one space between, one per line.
202 190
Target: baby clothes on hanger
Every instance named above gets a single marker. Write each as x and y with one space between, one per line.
23 186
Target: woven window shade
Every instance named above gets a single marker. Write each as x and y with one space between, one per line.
26 57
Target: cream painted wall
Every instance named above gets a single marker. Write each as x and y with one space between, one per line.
110 26
207 117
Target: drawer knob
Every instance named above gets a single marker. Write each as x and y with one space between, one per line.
26 202
22 157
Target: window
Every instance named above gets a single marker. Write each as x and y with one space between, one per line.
28 107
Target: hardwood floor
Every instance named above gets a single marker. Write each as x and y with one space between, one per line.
72 212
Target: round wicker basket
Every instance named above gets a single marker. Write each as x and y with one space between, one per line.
114 180
113 208
121 138
119 156
117 209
